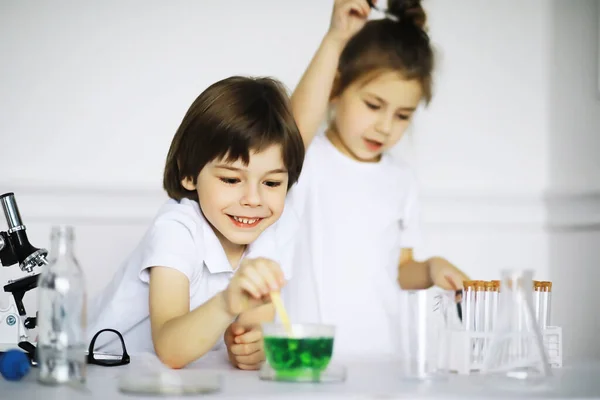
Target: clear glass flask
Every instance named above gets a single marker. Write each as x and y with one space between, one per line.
516 353
61 346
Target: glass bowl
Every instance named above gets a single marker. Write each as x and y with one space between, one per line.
304 354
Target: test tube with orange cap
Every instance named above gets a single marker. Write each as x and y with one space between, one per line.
491 305
479 306
468 305
495 301
537 288
545 304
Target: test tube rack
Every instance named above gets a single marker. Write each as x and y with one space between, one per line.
467 349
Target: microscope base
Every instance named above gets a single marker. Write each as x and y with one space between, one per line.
12 327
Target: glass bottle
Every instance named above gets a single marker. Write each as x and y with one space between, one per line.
61 316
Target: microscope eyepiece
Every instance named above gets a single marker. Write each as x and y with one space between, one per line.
15 246
11 211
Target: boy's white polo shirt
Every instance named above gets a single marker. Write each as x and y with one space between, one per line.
182 239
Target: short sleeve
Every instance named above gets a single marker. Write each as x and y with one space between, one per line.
170 243
411 217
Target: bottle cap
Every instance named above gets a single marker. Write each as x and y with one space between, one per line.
14 365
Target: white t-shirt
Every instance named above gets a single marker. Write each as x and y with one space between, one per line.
358 216
182 239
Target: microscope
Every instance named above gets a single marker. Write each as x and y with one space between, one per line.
16 249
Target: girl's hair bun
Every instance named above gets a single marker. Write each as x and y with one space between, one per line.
408 12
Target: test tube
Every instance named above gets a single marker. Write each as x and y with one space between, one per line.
495 301
545 302
549 308
537 286
468 306
491 300
479 314
479 306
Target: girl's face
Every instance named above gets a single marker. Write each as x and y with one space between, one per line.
240 201
372 117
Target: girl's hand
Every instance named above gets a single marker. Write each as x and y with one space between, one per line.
445 275
348 17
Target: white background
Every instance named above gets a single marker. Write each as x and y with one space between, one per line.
507 154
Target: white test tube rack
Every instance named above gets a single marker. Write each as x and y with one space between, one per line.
467 349
468 344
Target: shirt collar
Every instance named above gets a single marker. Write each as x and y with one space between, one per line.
215 258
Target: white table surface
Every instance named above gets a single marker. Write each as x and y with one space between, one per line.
366 379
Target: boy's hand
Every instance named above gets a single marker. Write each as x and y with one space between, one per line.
348 17
251 285
244 346
445 275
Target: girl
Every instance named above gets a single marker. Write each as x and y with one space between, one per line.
210 255
362 209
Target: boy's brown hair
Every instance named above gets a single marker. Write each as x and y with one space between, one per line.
229 120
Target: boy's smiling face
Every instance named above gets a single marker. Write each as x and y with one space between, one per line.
240 201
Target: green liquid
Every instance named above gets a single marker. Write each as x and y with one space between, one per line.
294 358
